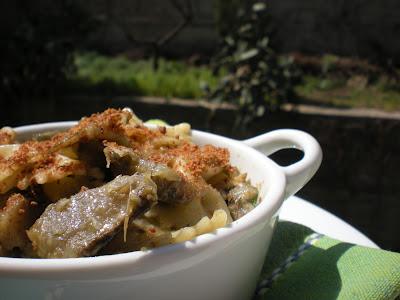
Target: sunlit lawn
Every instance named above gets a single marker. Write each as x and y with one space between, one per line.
101 75
119 75
339 92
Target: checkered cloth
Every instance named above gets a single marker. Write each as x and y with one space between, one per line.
302 264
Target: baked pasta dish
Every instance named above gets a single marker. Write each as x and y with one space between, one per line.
110 185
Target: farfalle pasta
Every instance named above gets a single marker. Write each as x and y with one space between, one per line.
111 184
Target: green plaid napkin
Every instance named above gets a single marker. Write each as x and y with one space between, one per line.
302 264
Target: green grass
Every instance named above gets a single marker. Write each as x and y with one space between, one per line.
110 76
337 92
119 75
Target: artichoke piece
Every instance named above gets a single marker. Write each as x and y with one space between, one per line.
241 199
172 187
82 224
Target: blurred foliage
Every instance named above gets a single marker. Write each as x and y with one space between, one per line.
328 63
99 74
258 79
37 55
313 83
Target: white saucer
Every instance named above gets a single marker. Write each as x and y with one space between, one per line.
300 211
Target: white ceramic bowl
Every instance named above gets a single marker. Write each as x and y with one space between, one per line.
224 264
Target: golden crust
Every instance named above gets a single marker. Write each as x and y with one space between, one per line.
39 161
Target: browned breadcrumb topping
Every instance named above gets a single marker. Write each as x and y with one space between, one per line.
123 128
198 159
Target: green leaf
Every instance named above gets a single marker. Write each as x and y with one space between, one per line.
229 40
259 6
264 42
259 113
245 28
248 54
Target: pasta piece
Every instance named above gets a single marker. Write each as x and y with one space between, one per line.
62 166
182 130
7 151
9 178
213 201
7 136
16 217
173 217
205 225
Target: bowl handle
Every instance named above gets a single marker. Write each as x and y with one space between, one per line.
299 173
